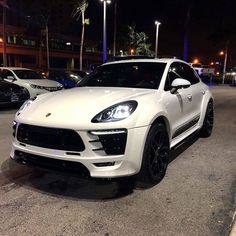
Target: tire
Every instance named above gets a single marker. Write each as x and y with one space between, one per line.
208 122
155 155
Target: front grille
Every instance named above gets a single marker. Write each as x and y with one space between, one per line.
50 163
52 138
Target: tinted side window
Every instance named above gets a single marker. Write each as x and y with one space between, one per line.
6 73
180 70
175 71
189 74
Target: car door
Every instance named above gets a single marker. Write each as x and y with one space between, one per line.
196 90
178 105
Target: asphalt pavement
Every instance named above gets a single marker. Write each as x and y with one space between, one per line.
196 197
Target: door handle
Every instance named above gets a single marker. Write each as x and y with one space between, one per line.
189 96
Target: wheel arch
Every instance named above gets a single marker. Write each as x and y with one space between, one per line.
163 120
208 98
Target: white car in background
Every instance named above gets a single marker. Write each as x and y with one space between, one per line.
29 79
122 120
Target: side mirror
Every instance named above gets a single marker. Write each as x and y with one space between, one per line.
11 78
178 84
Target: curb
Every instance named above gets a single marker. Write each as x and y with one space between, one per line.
233 229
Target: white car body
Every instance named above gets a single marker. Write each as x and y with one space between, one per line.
35 87
75 108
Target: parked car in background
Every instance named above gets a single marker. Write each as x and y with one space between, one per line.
203 70
67 78
122 120
231 77
92 67
12 93
197 67
80 73
29 79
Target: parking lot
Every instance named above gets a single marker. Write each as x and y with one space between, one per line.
196 197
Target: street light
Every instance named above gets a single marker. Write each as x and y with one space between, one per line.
157 23
221 53
104 52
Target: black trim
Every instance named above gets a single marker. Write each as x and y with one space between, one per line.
98 149
185 127
50 163
112 143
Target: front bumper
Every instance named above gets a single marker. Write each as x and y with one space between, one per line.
96 161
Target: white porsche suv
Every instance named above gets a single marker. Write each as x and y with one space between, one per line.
121 120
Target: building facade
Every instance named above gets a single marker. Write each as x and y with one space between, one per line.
25 33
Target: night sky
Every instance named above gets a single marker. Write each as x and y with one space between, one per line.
211 23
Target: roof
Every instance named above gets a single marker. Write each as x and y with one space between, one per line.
160 60
129 57
14 68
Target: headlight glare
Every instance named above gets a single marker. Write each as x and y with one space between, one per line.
115 113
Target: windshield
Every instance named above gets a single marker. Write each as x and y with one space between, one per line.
27 74
135 75
62 75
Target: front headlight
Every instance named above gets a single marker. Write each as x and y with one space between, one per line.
34 86
26 104
117 112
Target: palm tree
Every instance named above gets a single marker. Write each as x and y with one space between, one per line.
79 10
138 40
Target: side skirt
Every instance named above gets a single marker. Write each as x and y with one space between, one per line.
185 127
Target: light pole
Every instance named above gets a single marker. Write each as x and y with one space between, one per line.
157 23
47 46
104 51
4 6
115 28
225 53
225 62
45 22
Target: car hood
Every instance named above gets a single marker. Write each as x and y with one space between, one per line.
76 107
42 82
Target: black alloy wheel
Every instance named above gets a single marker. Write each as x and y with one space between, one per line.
208 123
155 155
